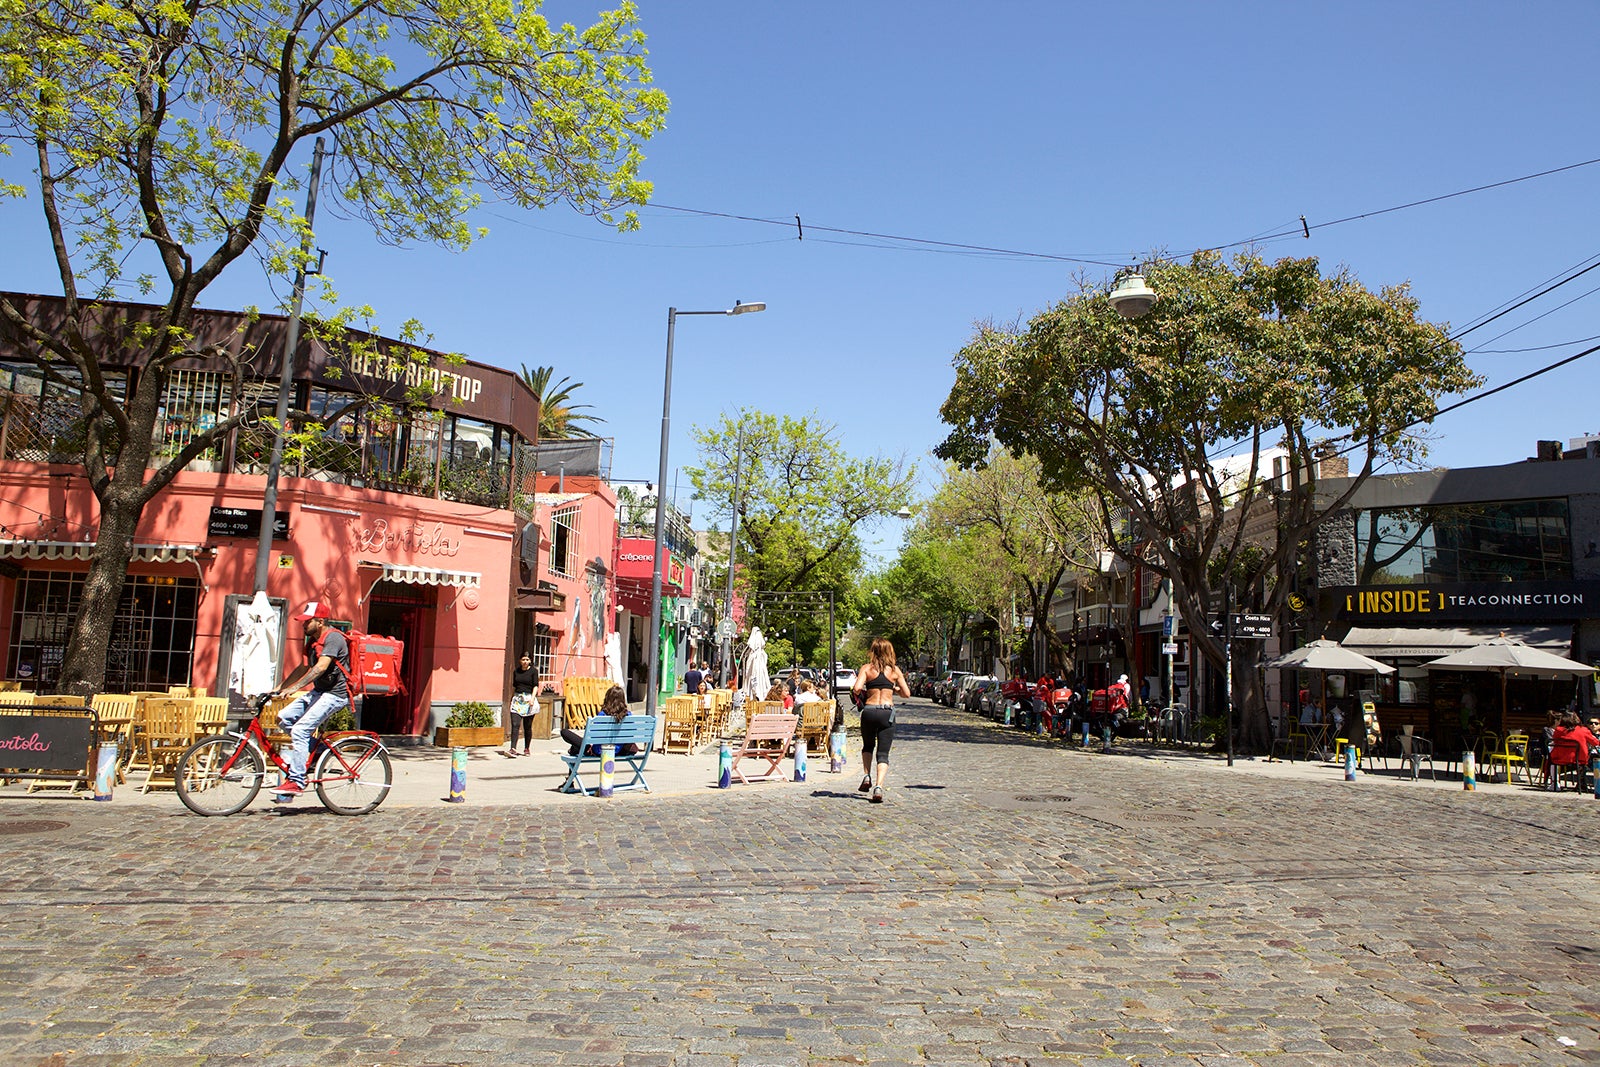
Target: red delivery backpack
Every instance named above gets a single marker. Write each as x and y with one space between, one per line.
375 664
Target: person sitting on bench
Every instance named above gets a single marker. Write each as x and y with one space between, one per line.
614 704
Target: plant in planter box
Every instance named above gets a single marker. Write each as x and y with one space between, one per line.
470 723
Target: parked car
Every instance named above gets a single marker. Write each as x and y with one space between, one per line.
970 689
992 701
843 679
949 685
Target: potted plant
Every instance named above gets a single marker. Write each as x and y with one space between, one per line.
470 724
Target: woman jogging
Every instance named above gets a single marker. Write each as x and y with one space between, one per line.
876 685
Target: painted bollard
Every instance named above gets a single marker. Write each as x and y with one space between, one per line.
105 770
836 752
608 770
1352 759
458 775
1594 770
800 760
1469 775
724 766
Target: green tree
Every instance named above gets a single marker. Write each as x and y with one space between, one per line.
1043 540
802 503
1234 358
160 137
558 415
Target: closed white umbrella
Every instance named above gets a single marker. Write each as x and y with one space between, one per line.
756 679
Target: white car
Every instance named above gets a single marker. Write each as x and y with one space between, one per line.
843 679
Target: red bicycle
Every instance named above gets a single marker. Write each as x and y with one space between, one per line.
222 775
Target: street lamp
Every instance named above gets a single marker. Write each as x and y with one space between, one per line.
654 689
1131 297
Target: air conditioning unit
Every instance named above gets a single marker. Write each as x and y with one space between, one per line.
681 614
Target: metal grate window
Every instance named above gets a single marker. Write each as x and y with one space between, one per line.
542 653
195 401
564 551
152 634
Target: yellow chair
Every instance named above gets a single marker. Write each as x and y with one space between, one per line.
210 715
115 712
1513 753
680 727
168 732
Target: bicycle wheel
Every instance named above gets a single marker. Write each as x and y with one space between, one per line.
206 788
353 776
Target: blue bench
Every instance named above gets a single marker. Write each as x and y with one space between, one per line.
601 729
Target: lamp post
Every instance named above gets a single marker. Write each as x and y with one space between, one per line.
653 692
733 548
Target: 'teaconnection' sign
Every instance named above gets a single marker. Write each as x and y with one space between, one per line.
1401 605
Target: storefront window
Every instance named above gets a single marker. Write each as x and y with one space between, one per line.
1518 540
152 635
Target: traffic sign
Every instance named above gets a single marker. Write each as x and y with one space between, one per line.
1170 648
1252 626
1166 625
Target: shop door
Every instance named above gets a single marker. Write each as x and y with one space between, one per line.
408 616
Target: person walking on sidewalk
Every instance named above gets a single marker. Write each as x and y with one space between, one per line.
326 668
877 682
524 681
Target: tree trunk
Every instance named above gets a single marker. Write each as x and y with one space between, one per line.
83 669
1249 695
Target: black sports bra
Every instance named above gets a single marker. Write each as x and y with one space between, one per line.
881 680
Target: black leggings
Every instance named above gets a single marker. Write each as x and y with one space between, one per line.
877 730
522 724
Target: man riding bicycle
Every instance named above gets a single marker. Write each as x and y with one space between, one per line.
325 673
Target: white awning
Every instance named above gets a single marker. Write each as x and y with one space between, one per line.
410 575
85 549
1390 642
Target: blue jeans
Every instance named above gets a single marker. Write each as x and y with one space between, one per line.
301 719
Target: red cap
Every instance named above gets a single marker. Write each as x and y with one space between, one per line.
316 609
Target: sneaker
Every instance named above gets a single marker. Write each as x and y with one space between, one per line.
289 790
877 795
866 783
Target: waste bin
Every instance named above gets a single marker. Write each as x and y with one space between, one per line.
548 715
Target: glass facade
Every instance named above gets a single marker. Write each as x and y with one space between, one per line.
1515 540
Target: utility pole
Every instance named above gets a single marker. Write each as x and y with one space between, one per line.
269 496
1227 659
733 549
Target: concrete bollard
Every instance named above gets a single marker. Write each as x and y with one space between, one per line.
1469 777
105 770
800 760
608 771
458 775
724 766
836 752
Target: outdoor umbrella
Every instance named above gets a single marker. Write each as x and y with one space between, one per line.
1507 655
1326 657
756 679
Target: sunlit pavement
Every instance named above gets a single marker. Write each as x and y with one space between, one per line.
1014 902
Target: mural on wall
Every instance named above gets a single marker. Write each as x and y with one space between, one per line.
597 608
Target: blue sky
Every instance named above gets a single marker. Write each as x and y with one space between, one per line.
1096 131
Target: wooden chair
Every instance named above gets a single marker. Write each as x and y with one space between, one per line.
115 712
767 739
276 737
681 728
723 712
816 722
210 715
168 733
1511 754
17 699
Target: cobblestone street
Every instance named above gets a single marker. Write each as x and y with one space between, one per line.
1014 902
